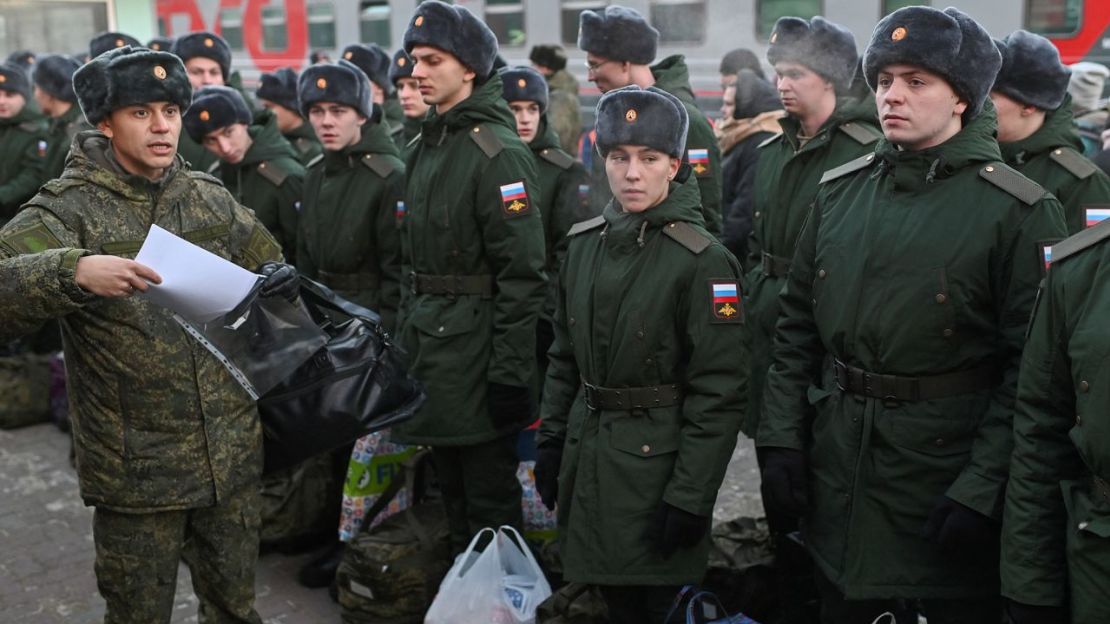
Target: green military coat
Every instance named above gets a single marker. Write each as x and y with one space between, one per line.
303 139
466 216
196 156
1056 533
1053 157
786 178
59 135
637 309
159 424
348 236
269 180
410 127
915 264
23 147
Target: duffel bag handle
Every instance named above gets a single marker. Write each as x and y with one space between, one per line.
321 296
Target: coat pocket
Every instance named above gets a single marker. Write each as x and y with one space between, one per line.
444 321
647 433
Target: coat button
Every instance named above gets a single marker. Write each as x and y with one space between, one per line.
645 448
1084 386
571 321
1078 421
757 213
989 169
640 333
1083 525
822 273
941 298
948 333
441 328
648 361
939 442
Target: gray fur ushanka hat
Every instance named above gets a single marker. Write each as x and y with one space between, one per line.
823 46
618 33
128 76
524 84
13 79
373 61
650 117
401 67
105 41
207 45
54 74
341 82
1031 71
455 30
280 87
215 107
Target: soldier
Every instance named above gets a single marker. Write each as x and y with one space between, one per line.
23 143
1054 548
619 45
105 41
169 447
256 164
408 94
160 44
207 58
642 401
278 93
735 60
376 64
888 408
1036 132
473 240
562 94
53 90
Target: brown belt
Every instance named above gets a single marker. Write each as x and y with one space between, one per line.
598 398
775 266
451 284
349 281
858 381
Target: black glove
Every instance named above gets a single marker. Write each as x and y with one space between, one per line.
509 404
960 529
549 457
785 485
1032 614
281 279
676 528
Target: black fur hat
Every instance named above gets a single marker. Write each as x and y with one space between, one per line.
215 107
127 76
54 74
341 82
455 30
206 44
401 67
754 95
634 116
524 83
1031 71
23 58
948 43
13 79
160 44
618 33
109 41
740 58
823 46
553 57
373 61
280 87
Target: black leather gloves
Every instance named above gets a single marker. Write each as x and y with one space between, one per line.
676 528
960 529
549 458
509 404
785 488
281 279
1032 614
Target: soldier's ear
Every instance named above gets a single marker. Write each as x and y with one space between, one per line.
105 126
961 106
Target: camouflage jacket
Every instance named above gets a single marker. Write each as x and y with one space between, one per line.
562 109
159 424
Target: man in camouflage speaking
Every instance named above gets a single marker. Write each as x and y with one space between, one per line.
168 446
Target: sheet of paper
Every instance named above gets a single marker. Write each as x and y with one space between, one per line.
197 284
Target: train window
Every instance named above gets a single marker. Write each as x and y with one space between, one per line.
570 13
679 21
506 19
890 6
373 22
321 25
231 27
1053 17
769 11
275 36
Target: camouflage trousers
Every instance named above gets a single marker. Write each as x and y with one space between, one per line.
137 556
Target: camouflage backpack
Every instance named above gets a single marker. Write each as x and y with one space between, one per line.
296 504
24 390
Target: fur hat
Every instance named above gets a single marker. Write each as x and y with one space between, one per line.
401 67
205 44
13 79
1031 71
947 43
373 61
1086 84
650 117
127 76
524 83
823 46
617 33
160 44
553 57
280 87
23 58
54 74
213 108
455 30
341 82
754 95
109 41
740 58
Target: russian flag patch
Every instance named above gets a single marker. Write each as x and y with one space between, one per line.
42 149
699 160
514 199
1097 215
725 300
399 212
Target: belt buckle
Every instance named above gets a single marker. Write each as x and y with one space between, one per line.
587 392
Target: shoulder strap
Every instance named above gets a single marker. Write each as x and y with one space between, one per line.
302 144
314 161
1080 241
1076 164
557 157
685 234
31 126
848 167
200 175
487 141
275 174
864 135
585 226
1005 178
770 140
377 164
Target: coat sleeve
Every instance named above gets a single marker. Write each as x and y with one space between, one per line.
738 211
251 242
387 254
561 385
1016 271
31 173
1090 192
289 207
709 184
716 386
1033 562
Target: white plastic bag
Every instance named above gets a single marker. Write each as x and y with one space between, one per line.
502 584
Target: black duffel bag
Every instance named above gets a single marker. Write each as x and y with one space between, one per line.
355 384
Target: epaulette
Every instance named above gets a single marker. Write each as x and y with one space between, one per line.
200 175
585 226
413 140
57 186
1080 241
302 144
378 165
274 173
314 161
487 141
848 167
1005 178
864 135
31 126
1077 164
770 140
684 234
557 157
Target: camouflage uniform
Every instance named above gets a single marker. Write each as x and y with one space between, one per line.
22 152
562 111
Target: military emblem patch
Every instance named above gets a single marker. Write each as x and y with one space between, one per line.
204 116
1097 215
630 116
419 21
42 149
321 83
726 305
399 211
119 43
699 160
401 62
899 33
514 199
1046 257
208 43
348 55
159 72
